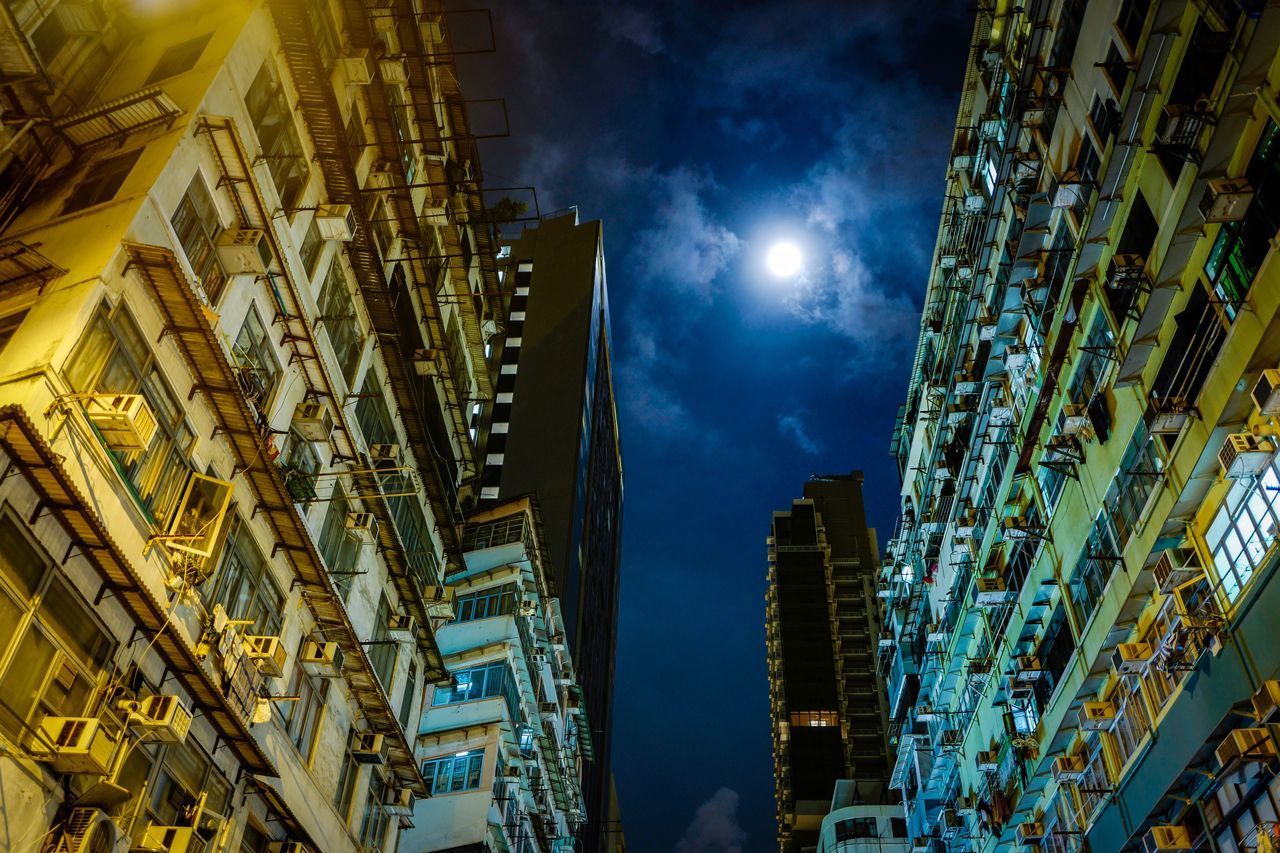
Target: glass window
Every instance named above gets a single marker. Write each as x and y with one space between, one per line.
302 717
495 601
198 226
338 546
1244 530
338 315
382 649
459 772
102 181
858 827
179 58
344 794
278 135
259 372
312 246
113 357
243 584
481 682
373 826
407 697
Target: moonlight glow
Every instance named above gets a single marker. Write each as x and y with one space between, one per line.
784 259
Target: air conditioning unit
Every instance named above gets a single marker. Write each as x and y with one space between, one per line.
1070 195
975 203
1132 658
1098 716
267 653
952 739
988 761
1167 839
358 67
363 525
162 718
79 745
88 830
1030 832
1245 455
1176 566
369 748
313 421
1075 420
1246 745
393 71
924 712
1266 393
125 421
336 222
1226 200
321 659
992 592
1266 702
426 362
244 250
1016 360
399 802
1068 768
170 839
440 601
1028 668
384 453
1018 527
538 659
402 627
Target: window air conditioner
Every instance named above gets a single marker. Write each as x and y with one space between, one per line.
1098 716
1266 393
163 719
321 659
402 627
1030 832
1068 768
1266 702
336 222
1244 455
1245 744
988 761
369 748
1017 527
358 67
992 592
170 839
538 659
244 250
79 745
268 653
399 802
975 203
440 601
426 362
313 421
1132 658
1226 200
125 421
1075 420
384 453
363 525
1176 566
88 830
1070 195
1167 839
1028 668
393 71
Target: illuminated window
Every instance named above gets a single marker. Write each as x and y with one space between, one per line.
814 718
453 773
1244 530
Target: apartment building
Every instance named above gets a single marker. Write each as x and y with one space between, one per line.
1079 588
503 747
853 824
552 429
827 704
245 270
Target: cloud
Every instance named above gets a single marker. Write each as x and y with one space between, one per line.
634 25
687 247
715 826
793 427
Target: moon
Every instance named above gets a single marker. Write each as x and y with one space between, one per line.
784 259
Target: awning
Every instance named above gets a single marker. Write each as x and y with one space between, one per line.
58 494
115 119
20 264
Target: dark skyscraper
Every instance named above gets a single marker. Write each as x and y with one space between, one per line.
829 719
553 431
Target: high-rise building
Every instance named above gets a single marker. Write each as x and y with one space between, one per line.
822 628
502 747
553 431
1081 585
234 376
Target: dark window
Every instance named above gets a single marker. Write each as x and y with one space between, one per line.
1132 18
858 827
310 249
278 135
1198 335
1116 68
102 182
338 546
1105 117
338 316
899 827
243 585
382 649
8 326
1242 246
198 226
1067 33
179 59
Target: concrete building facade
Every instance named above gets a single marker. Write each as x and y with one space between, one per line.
244 271
1080 585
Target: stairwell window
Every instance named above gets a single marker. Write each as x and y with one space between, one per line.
198 226
454 773
53 652
101 182
272 120
113 356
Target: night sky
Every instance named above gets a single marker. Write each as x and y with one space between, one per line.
701 133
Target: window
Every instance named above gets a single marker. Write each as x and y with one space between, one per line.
185 773
404 132
344 794
179 59
1241 247
52 35
114 357
373 826
459 772
382 649
320 17
8 326
338 547
259 372
407 697
300 466
858 827
1105 116
495 601
491 534
53 653
1244 530
278 135
102 181
243 584
1132 18
198 226
801 719
302 717
312 246
372 413
481 682
1116 68
338 314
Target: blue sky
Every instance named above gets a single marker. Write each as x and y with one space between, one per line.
702 133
